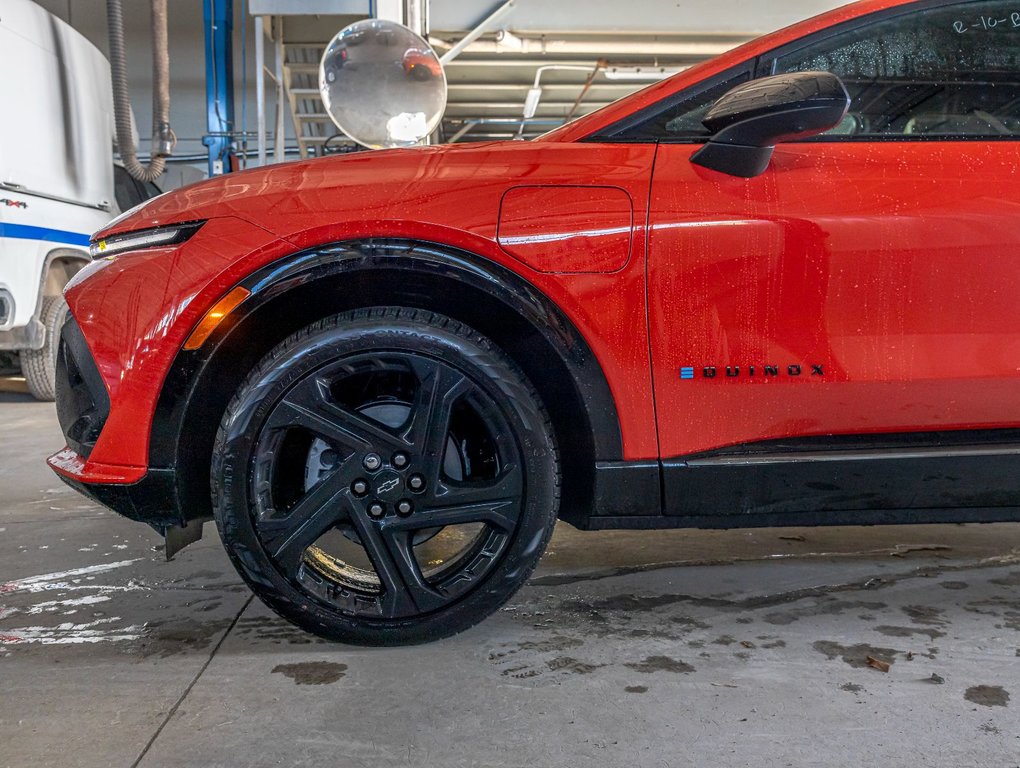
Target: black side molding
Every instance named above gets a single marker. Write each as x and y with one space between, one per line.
935 516
852 487
901 478
627 489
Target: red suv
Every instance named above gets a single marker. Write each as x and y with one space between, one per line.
386 375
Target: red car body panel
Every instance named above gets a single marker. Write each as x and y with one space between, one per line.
901 285
139 312
450 196
828 259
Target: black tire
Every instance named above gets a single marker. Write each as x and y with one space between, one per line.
385 434
38 366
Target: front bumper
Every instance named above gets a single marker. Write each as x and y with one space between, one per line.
83 407
83 404
149 500
129 317
152 499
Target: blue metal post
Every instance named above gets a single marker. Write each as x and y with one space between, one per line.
218 16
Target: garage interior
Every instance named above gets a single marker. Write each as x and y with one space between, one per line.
893 646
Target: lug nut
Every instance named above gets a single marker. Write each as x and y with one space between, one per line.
404 508
372 462
400 460
359 487
416 483
376 510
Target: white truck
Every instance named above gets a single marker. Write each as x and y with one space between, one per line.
58 181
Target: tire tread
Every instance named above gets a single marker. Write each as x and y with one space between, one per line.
395 632
38 366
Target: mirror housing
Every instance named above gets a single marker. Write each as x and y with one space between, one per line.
749 121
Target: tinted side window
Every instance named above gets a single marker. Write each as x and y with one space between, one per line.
945 72
682 119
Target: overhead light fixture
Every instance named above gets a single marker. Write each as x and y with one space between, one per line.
508 42
647 74
535 93
531 102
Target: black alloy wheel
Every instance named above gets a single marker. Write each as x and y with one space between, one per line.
385 476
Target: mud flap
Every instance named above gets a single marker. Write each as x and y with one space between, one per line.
177 537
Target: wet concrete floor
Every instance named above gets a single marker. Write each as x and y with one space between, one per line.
801 647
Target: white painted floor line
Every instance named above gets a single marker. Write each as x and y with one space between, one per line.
52 606
97 631
62 579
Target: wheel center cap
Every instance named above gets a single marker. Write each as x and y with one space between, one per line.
388 485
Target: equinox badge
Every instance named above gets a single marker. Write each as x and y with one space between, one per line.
688 373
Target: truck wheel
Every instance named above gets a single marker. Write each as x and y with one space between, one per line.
385 477
38 366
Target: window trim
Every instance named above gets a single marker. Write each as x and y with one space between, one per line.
764 65
610 133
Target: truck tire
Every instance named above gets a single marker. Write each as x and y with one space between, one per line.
38 366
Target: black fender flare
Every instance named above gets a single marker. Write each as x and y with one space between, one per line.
434 264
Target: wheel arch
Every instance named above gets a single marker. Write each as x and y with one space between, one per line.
306 286
60 266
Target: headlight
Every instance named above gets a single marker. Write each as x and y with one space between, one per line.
157 237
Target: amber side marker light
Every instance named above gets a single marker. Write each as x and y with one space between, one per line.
214 317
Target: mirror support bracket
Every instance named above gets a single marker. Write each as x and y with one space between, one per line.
734 159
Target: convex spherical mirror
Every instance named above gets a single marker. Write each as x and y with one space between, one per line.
382 84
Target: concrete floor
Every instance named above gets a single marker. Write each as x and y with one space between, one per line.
637 649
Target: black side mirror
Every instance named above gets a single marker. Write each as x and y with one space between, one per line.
749 121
